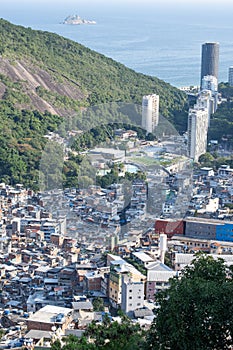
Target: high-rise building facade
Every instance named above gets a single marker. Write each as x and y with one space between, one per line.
150 112
206 99
209 82
210 60
208 95
230 76
197 132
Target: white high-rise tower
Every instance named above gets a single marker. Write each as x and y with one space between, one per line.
197 132
150 112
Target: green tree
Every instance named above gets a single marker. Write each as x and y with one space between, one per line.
107 336
206 159
114 335
74 343
196 312
98 304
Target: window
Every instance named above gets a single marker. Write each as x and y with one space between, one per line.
130 297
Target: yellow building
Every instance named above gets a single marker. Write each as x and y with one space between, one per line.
119 269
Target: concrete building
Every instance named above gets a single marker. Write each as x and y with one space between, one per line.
109 154
209 60
142 258
48 317
224 232
208 100
182 260
158 275
132 295
197 132
169 226
225 171
210 82
200 228
118 270
230 76
150 112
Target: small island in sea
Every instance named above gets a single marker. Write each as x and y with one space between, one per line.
75 19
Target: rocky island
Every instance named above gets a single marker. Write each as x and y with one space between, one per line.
75 19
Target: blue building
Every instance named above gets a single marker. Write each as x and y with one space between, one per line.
224 232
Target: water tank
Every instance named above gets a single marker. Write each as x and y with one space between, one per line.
163 242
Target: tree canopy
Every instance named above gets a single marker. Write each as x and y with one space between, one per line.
95 78
196 312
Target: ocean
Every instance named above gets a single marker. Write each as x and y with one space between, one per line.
149 37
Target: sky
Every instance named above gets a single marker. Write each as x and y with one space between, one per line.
191 7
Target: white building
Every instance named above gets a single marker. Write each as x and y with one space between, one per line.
230 76
132 295
209 82
158 275
208 96
150 112
197 132
207 100
181 260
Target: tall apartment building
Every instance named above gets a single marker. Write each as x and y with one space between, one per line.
230 76
132 295
122 276
210 82
197 132
209 60
208 96
206 100
150 112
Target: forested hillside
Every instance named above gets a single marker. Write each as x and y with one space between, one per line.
221 125
21 142
66 75
43 74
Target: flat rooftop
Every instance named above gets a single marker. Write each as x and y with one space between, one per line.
49 313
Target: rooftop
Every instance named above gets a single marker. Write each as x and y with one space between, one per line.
49 314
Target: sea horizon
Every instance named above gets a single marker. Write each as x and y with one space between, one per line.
167 46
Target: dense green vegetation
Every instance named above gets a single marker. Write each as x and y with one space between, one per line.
214 161
107 336
194 313
221 125
101 79
226 90
21 142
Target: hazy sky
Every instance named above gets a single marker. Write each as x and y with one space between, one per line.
109 3
195 7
